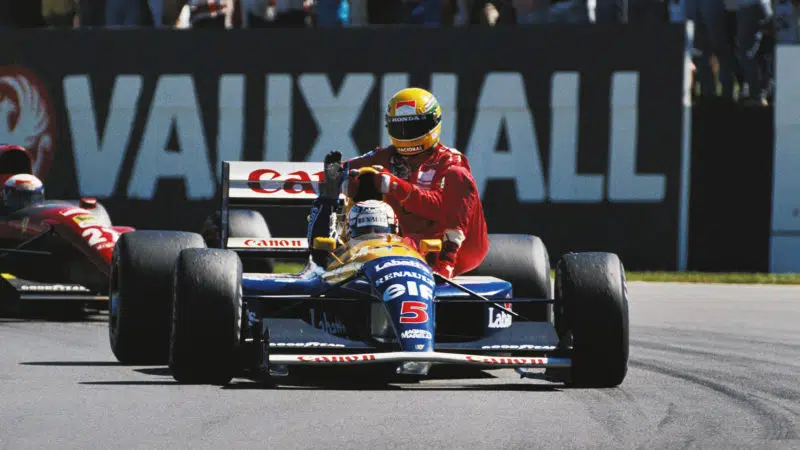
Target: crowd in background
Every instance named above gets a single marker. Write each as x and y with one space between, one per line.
734 39
332 13
734 46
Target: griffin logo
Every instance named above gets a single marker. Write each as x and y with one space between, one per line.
27 116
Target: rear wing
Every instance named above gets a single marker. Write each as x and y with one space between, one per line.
258 184
269 182
277 247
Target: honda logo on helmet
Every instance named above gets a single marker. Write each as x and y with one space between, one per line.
405 108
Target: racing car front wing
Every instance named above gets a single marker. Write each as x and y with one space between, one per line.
432 357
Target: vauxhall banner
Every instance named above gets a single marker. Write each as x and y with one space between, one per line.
573 133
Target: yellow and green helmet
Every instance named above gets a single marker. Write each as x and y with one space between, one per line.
414 121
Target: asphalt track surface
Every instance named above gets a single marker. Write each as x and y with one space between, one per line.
711 367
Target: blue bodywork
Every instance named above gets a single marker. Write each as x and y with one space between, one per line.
394 302
310 282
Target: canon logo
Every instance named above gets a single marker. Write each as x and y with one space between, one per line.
335 358
287 243
506 361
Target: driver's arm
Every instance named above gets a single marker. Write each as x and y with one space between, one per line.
448 201
379 157
451 203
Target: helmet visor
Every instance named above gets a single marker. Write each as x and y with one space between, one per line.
366 231
15 199
411 127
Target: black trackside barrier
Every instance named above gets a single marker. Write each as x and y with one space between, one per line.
573 132
731 187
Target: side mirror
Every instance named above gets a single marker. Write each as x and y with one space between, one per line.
429 246
88 203
324 243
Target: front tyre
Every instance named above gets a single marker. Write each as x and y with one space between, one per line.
140 293
591 299
206 317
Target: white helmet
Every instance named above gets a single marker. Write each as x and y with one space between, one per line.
371 216
21 191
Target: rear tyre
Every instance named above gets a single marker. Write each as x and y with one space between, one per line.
522 260
140 293
206 317
592 312
241 223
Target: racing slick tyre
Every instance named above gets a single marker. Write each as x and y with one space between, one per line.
522 260
592 311
241 223
140 293
206 317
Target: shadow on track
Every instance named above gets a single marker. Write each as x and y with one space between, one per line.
71 363
391 386
342 386
57 316
330 379
130 383
343 380
159 371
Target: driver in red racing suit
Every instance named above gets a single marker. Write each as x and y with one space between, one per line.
429 186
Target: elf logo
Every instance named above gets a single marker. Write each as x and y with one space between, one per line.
174 107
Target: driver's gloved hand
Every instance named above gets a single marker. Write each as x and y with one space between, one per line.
333 157
446 262
351 184
330 186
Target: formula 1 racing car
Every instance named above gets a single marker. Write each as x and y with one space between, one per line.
54 256
377 303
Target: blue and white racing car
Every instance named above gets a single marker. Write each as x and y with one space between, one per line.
212 314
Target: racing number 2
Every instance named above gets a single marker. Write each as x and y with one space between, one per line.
96 236
413 312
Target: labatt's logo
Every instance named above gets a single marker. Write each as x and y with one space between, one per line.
27 116
401 262
499 318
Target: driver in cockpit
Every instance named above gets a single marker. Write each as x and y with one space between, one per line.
363 221
22 191
370 219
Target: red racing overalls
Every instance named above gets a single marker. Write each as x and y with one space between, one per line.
435 197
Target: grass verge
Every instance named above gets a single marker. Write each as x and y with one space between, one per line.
672 277
724 278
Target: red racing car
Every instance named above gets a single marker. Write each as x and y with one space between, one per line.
56 254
